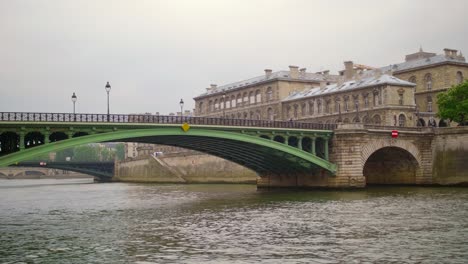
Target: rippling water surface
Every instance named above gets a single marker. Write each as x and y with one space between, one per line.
72 221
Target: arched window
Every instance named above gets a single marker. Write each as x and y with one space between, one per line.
270 114
258 96
311 108
366 100
252 97
303 109
296 110
221 103
200 107
346 103
337 105
246 98
210 106
216 105
246 115
288 112
429 104
319 106
402 120
377 120
412 79
459 77
428 81
258 115
239 99
233 101
376 97
327 106
269 94
228 104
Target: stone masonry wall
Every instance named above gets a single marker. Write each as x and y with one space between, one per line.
450 156
183 168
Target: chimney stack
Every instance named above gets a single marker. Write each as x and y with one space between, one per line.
326 73
450 52
293 72
302 73
268 73
323 85
349 70
213 86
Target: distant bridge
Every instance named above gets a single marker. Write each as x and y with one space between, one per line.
102 171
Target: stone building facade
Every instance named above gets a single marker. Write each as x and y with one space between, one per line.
432 74
259 97
373 98
406 93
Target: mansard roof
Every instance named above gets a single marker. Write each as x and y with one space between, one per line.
424 62
274 76
348 86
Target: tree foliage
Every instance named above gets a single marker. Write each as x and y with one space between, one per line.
120 151
86 153
453 104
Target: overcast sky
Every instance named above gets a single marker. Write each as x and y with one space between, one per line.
154 53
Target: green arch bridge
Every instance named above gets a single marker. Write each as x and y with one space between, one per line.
267 147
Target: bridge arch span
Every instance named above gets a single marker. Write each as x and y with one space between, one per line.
262 155
391 163
375 145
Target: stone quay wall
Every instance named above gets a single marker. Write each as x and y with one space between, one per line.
450 156
182 168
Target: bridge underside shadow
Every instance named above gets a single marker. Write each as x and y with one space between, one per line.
261 159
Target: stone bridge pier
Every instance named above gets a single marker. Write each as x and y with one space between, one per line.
369 155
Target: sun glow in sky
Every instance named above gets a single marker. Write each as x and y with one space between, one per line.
155 52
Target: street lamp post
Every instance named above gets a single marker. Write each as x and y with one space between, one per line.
108 88
181 103
74 98
418 123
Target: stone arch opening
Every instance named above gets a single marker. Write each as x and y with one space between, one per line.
57 136
442 123
9 143
265 137
279 139
391 165
33 139
421 122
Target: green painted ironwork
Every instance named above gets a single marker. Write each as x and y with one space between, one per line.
243 145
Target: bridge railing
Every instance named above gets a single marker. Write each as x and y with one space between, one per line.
396 128
157 119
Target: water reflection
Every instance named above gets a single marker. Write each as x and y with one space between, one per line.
121 223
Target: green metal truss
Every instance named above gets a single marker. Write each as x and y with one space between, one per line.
242 145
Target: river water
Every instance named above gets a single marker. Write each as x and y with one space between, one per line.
74 221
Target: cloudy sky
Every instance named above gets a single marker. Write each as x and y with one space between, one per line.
154 53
